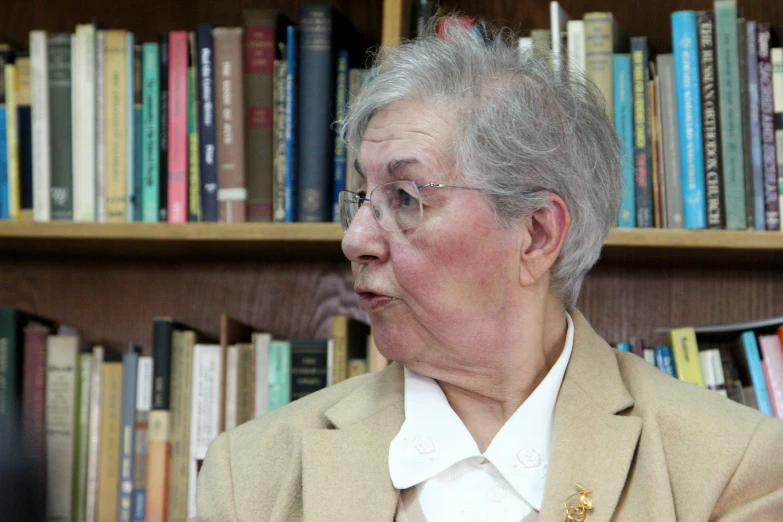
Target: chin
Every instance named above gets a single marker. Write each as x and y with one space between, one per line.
391 341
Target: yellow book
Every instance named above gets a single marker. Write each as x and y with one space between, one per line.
12 143
115 118
686 355
179 434
109 452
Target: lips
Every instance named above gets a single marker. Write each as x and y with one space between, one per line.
371 301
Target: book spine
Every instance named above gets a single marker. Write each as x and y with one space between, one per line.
178 127
308 367
82 438
10 382
138 132
351 174
34 407
205 411
291 118
767 117
641 134
83 141
100 126
39 82
12 141
772 366
181 397
753 360
686 355
143 406
279 374
654 119
726 47
576 47
232 385
664 360
245 383
130 133
259 27
316 97
150 149
62 354
341 102
278 205
4 201
754 126
747 172
110 430
24 137
96 396
194 171
163 127
206 122
340 348
261 342
158 445
777 88
712 367
130 364
77 118
623 121
670 138
599 31
116 115
686 71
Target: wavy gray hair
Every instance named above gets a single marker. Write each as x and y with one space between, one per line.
520 127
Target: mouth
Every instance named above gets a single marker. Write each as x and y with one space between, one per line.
371 302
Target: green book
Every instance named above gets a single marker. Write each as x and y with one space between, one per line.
194 176
81 438
279 374
60 151
150 140
733 153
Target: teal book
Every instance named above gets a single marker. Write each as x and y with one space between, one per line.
150 139
750 362
623 123
279 374
727 48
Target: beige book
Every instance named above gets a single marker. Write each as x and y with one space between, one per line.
12 142
109 456
115 117
246 382
181 396
603 37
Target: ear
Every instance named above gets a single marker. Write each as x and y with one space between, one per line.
545 233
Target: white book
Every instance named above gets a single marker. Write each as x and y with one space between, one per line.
261 397
100 130
129 175
525 43
577 60
95 435
83 94
559 20
776 57
39 87
62 361
232 356
205 411
329 362
712 368
649 355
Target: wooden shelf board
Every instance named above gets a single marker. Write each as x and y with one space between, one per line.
321 241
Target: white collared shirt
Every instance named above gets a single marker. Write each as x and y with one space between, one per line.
435 452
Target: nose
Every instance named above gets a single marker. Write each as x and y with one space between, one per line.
365 240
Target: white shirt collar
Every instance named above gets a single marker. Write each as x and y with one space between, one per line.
433 438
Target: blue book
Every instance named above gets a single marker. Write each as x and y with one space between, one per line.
207 133
623 347
686 74
291 83
130 363
279 374
150 147
5 212
623 123
341 101
754 121
664 360
130 133
753 362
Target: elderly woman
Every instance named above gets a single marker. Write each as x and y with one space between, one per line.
487 186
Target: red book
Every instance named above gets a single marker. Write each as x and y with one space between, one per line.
34 402
178 127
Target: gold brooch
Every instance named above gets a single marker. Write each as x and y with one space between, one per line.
578 504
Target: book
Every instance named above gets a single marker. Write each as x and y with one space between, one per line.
58 57
4 195
206 122
542 44
23 94
670 141
143 407
39 82
341 102
576 48
686 355
232 332
130 367
308 367
747 172
100 126
138 133
558 19
767 122
163 127
62 360
261 342
12 189
232 387
659 187
116 125
753 121
772 368
279 142
603 37
349 336
664 360
712 368
83 140
109 452
93 447
246 383
150 147
316 97
641 134
623 122
749 360
291 117
375 359
232 191
686 72
776 58
194 170
279 373
731 374
649 355
130 133
727 51
82 437
178 128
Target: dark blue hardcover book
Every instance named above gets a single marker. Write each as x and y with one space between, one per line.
163 186
754 126
316 99
645 210
24 123
664 360
291 92
205 88
341 102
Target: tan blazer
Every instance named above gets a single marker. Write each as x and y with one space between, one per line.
651 448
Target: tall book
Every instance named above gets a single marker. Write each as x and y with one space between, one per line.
686 355
82 438
749 359
753 120
130 372
143 406
278 144
24 121
163 127
558 20
138 132
747 172
259 39
642 150
727 52
116 124
291 119
349 337
178 128
83 124
659 187
205 59
93 445
194 172
183 343
39 82
772 367
110 430
670 141
100 126
261 343
232 332
34 406
686 73
4 193
603 37
279 373
232 191
767 120
341 102
10 82
576 47
150 146
776 57
246 382
316 98
62 361
623 124
130 133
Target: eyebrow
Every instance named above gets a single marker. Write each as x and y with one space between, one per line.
393 168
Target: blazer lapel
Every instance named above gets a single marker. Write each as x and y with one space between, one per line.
345 470
592 443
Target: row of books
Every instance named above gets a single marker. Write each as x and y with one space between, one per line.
741 361
701 127
201 125
121 436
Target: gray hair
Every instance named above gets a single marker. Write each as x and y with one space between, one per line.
520 127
